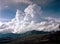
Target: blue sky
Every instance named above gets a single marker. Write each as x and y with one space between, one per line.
20 16
8 8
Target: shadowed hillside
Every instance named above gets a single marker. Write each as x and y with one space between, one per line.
32 37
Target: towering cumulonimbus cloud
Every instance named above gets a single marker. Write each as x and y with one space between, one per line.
33 12
29 20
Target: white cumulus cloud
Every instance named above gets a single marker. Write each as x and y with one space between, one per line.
28 21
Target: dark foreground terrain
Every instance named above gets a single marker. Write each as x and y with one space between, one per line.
47 38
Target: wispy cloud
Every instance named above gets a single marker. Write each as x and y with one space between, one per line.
4 19
7 3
